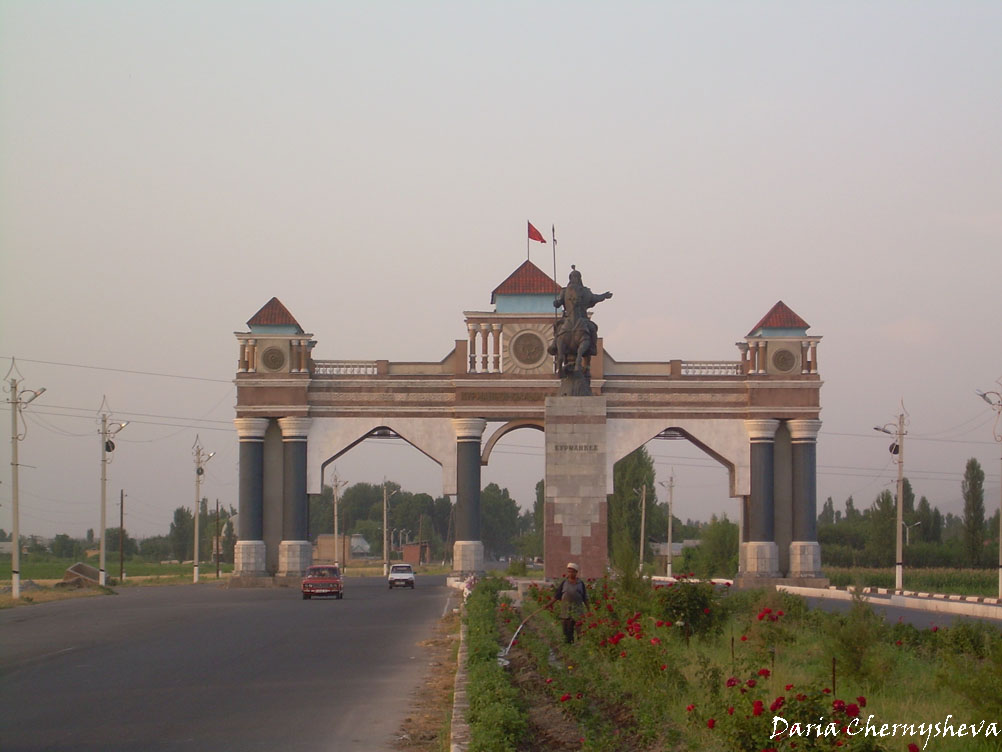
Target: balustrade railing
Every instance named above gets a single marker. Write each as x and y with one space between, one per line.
711 368
344 368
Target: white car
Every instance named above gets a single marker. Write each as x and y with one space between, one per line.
401 575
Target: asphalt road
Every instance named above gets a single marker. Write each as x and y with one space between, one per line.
199 667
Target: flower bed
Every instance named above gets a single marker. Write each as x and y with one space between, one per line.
695 666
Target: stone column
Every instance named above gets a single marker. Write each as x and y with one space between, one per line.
295 553
249 554
759 553
471 328
468 551
805 551
484 357
496 347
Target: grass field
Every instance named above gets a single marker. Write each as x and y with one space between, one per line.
949 581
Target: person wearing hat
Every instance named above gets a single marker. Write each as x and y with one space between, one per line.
573 598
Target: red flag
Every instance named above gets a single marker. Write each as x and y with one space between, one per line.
535 234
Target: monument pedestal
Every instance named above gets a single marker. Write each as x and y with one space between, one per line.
575 509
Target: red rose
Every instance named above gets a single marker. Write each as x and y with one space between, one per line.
777 704
732 681
838 705
711 723
750 682
549 681
757 707
690 708
743 638
852 710
861 701
565 698
730 710
789 687
764 672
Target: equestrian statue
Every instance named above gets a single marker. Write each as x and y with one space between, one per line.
575 337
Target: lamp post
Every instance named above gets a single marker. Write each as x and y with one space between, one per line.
995 400
386 553
908 529
670 485
107 448
643 525
201 457
16 405
897 449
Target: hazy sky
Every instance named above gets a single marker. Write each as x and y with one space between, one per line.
167 167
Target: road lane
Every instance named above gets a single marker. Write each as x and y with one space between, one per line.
201 667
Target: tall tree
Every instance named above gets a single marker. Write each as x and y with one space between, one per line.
630 474
498 520
973 489
881 518
923 515
182 534
827 516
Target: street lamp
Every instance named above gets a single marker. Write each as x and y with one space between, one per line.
16 405
897 450
995 400
643 525
201 457
386 553
670 485
908 530
107 447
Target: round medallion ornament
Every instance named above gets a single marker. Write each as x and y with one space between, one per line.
528 349
784 360
273 359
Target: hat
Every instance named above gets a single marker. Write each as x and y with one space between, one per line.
572 565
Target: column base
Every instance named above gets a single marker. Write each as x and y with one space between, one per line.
294 557
805 559
468 557
759 559
248 559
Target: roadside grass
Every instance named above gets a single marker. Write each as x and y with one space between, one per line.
45 594
983 582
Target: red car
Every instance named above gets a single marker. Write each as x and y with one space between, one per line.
323 580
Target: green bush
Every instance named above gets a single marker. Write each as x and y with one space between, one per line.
496 717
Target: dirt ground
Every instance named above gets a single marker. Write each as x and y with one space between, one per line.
427 728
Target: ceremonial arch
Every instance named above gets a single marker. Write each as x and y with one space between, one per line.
757 416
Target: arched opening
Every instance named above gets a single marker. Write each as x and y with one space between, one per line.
419 514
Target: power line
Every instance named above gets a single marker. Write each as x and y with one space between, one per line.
122 370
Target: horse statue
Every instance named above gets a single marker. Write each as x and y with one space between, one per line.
575 336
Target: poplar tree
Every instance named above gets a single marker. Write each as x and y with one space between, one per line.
973 489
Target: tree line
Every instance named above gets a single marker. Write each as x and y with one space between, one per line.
867 537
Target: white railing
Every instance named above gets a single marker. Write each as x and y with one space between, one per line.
344 368
711 368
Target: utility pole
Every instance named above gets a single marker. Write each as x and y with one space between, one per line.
107 448
121 535
898 450
338 543
643 525
16 405
670 485
201 458
386 553
995 400
217 546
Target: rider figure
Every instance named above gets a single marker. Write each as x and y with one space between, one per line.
576 299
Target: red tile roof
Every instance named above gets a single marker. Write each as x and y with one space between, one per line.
273 313
528 279
780 316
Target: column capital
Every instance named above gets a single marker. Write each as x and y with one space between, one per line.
251 429
761 429
803 429
469 429
294 429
